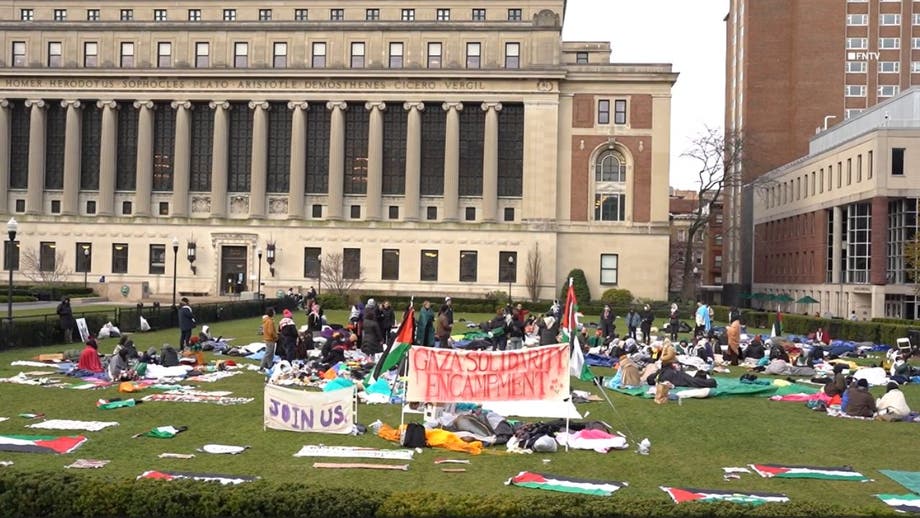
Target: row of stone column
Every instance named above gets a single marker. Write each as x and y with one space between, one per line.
219 164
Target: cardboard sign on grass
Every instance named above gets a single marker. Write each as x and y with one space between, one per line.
452 376
302 411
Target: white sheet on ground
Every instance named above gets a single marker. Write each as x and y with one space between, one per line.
557 409
155 371
875 376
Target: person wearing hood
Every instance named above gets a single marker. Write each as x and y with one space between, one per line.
89 358
119 368
186 323
371 335
288 331
607 325
861 403
424 325
270 337
892 406
755 349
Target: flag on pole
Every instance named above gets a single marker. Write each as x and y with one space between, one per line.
395 352
577 365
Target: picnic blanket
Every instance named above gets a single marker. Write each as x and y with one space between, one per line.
681 495
67 424
729 387
562 484
908 479
40 443
902 503
206 477
833 473
214 376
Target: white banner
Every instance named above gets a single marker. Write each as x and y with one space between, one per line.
302 411
353 452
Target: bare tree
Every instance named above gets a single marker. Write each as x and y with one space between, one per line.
44 274
715 153
533 272
337 276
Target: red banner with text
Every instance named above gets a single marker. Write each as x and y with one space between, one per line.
452 376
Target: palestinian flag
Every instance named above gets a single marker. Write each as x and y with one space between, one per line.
682 495
401 344
577 365
777 471
204 477
40 443
565 484
165 432
902 503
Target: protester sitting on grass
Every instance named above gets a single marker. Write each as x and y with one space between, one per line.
892 406
89 358
629 372
119 369
860 402
839 384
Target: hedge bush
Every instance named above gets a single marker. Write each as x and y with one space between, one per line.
617 297
17 298
582 291
57 494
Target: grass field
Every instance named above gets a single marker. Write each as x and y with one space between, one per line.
691 442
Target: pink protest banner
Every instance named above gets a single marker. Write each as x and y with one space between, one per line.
451 376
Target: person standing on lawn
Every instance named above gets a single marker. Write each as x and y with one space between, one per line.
647 318
444 326
65 313
424 325
674 322
633 321
270 337
186 323
607 325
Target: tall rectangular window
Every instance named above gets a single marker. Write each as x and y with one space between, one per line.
897 161
478 15
389 265
858 169
164 54
265 15
194 15
157 260
372 15
311 262
10 255
434 55
229 15
127 54
357 54
83 257
47 256
473 55
164 136
603 111
337 15
60 15
240 166
159 15
279 148
317 154
407 15
469 266
240 54
610 264
609 207
394 149
19 53
319 55
351 263
443 15
120 258
126 154
512 55
870 165
511 151
507 267
91 136
55 131
515 15
396 55
55 54
432 174
279 54
619 111
20 116
357 124
90 54
301 15
429 265
202 54
92 15
472 135
202 134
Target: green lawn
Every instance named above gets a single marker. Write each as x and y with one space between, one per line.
690 442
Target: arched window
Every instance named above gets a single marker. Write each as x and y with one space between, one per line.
610 187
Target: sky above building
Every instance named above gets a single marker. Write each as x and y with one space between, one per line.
690 34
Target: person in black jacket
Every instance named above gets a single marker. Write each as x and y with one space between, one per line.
65 313
549 330
647 318
387 319
372 335
287 331
607 325
186 323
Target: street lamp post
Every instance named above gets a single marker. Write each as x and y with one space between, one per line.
259 277
11 228
510 269
319 283
85 265
175 247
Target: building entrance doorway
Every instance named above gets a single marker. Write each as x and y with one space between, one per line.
233 270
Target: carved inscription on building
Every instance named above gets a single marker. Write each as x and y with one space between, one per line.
160 83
